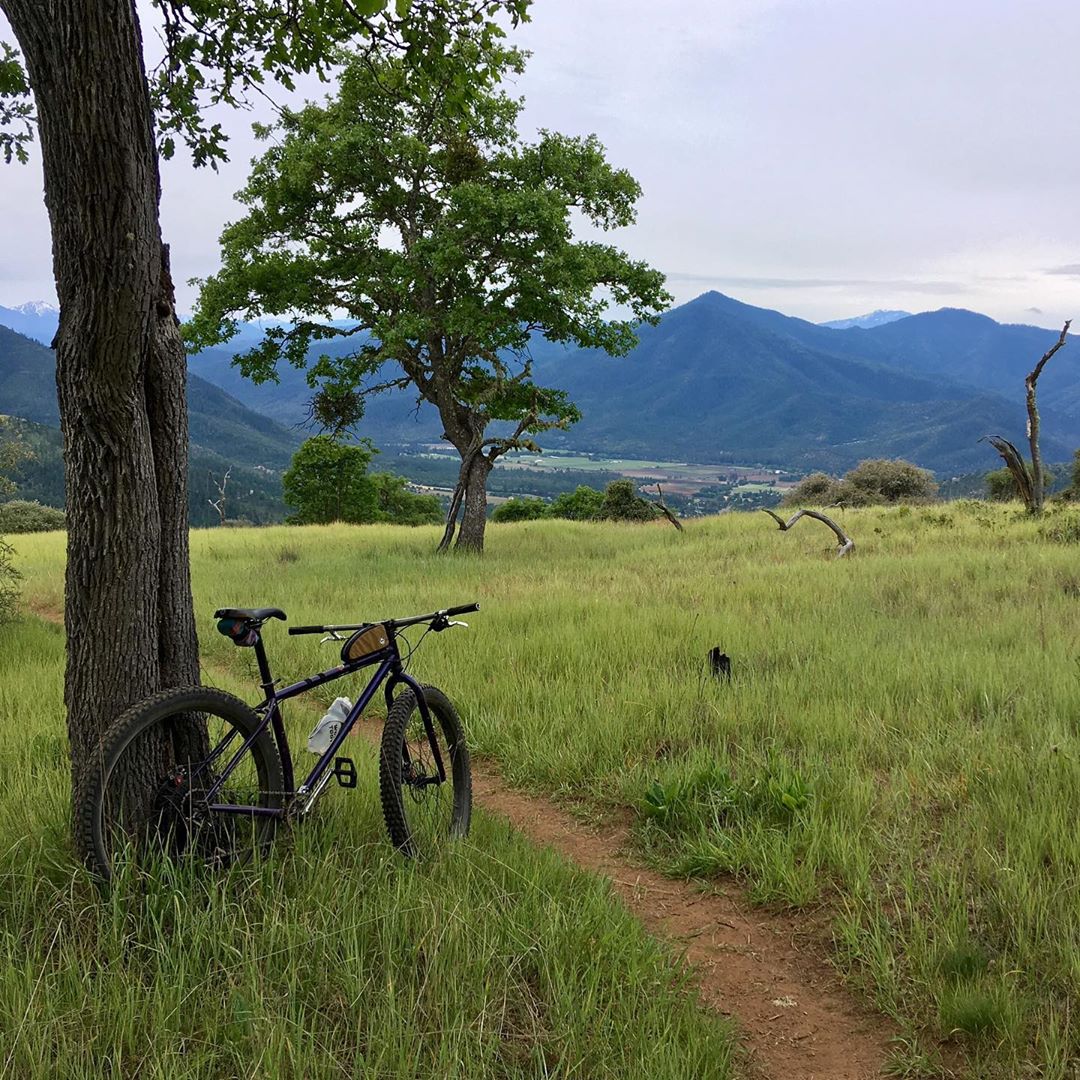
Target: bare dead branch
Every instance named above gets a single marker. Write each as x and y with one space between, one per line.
219 503
1033 421
845 544
660 505
1016 466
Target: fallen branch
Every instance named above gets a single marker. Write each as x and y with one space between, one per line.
665 511
845 544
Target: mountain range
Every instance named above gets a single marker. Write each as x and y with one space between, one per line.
716 380
224 434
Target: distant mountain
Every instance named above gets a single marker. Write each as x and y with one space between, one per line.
865 322
36 319
218 423
718 380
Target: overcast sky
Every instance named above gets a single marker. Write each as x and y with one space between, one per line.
822 157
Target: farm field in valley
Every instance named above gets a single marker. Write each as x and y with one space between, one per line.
685 478
895 763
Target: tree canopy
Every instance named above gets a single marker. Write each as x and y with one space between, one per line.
446 240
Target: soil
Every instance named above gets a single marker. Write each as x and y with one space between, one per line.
796 1022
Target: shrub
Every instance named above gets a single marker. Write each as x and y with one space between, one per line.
328 481
520 510
581 504
623 503
20 516
1001 486
870 483
397 504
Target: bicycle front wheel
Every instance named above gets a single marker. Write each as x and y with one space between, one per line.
179 776
424 807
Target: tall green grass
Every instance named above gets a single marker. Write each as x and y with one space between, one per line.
332 958
898 741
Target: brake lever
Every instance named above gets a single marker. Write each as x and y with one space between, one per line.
457 622
332 636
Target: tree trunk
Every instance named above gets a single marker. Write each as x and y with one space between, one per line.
474 516
120 365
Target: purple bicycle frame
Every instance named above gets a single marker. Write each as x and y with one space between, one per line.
389 664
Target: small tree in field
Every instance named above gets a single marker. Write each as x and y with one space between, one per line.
447 241
623 503
328 481
397 504
516 509
581 504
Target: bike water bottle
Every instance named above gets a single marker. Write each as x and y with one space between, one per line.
327 728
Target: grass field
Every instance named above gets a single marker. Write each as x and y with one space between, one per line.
896 754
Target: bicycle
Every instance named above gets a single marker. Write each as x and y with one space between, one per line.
198 772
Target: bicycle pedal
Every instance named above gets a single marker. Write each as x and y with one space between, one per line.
345 772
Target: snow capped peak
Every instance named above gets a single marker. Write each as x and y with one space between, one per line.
37 307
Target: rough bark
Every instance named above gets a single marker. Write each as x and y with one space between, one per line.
120 365
474 502
845 545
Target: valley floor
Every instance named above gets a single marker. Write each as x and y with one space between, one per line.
894 765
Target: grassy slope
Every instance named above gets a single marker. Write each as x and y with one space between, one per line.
333 959
899 739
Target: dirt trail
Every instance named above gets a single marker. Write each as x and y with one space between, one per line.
797 1023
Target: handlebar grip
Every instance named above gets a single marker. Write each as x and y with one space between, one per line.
306 629
464 609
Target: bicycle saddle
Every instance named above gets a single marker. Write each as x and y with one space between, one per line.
259 614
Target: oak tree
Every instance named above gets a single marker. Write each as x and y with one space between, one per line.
445 240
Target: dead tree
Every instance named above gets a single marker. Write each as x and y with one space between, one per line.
845 544
660 505
1031 484
219 503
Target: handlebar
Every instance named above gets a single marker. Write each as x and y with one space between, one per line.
392 624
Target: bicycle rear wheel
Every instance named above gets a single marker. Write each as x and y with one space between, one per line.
423 811
174 780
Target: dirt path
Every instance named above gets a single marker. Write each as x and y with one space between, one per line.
796 1022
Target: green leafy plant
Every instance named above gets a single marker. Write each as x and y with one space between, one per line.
410 202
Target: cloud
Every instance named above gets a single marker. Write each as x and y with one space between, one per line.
1034 310
897 285
1068 270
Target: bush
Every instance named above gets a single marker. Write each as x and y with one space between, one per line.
20 516
581 504
397 504
817 489
623 503
520 510
1001 486
870 483
328 481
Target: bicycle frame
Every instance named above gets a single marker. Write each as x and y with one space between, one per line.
389 670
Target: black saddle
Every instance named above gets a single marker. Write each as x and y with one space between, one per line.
252 615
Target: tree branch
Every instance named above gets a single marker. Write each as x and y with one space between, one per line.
846 544
662 507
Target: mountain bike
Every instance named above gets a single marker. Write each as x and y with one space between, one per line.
196 772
